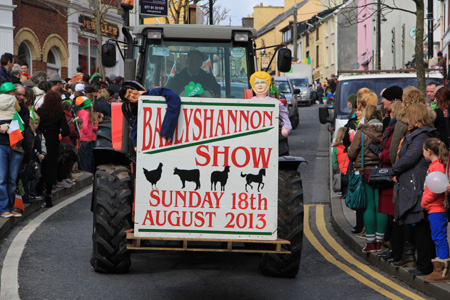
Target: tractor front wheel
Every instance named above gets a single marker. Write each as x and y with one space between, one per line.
290 227
112 217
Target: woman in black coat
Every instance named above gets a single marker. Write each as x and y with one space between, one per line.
52 124
410 171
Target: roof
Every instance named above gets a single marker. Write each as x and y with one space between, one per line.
281 17
194 31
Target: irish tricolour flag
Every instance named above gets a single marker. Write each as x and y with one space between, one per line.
15 130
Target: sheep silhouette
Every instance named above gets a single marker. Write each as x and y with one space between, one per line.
249 178
188 175
153 176
220 176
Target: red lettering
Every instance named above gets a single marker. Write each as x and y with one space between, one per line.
220 124
207 119
177 219
187 121
252 119
197 122
216 155
232 116
203 154
267 115
243 115
155 195
158 129
147 141
247 157
261 157
199 217
148 217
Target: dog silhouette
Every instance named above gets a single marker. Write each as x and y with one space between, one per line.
249 178
220 176
188 175
153 176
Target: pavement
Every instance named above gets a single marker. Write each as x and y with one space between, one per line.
344 219
85 179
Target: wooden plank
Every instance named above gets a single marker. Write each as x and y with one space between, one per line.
131 247
130 236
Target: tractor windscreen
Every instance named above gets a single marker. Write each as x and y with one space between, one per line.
193 69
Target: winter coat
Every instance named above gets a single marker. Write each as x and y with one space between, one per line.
340 159
385 202
410 169
102 106
372 134
51 127
441 127
431 202
401 127
5 74
87 129
73 132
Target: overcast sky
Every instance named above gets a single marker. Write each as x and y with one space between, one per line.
241 8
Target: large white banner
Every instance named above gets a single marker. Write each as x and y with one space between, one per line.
216 179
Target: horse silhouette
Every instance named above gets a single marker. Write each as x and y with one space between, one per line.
249 178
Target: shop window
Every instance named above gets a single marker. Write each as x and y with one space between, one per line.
88 55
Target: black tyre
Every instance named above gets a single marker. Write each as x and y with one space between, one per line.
112 216
290 227
296 119
104 138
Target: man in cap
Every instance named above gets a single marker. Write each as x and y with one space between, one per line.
201 80
10 159
56 82
392 93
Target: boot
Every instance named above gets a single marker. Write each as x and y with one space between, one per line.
48 201
408 256
440 272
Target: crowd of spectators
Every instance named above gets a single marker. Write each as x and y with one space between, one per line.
58 124
411 139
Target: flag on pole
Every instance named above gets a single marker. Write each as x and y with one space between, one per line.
33 114
15 130
208 62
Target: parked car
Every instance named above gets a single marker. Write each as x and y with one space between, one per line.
337 113
287 90
307 93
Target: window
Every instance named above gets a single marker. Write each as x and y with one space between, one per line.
87 55
24 56
53 62
327 56
332 54
317 33
317 56
307 39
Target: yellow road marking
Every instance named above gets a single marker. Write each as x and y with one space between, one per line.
329 257
320 221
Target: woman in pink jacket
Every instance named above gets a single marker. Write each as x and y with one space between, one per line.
86 113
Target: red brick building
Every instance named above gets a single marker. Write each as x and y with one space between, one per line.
40 35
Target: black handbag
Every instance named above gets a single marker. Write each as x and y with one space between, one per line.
35 170
380 177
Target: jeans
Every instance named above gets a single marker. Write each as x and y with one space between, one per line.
438 224
85 156
10 162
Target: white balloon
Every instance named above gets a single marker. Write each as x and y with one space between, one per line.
436 182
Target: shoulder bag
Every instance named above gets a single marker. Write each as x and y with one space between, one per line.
356 196
338 179
380 177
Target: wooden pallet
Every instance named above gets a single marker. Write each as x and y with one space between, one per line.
205 245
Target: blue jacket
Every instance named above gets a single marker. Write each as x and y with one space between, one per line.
170 119
5 74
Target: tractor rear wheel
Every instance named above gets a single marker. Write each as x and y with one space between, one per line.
290 227
112 217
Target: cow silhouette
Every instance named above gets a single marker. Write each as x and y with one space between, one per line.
153 176
220 176
188 175
249 178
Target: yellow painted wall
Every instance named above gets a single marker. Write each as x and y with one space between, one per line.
274 36
263 14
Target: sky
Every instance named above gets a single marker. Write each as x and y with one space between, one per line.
241 8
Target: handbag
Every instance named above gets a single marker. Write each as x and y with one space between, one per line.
379 177
35 170
338 179
356 195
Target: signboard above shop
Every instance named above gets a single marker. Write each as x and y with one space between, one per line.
154 8
108 29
